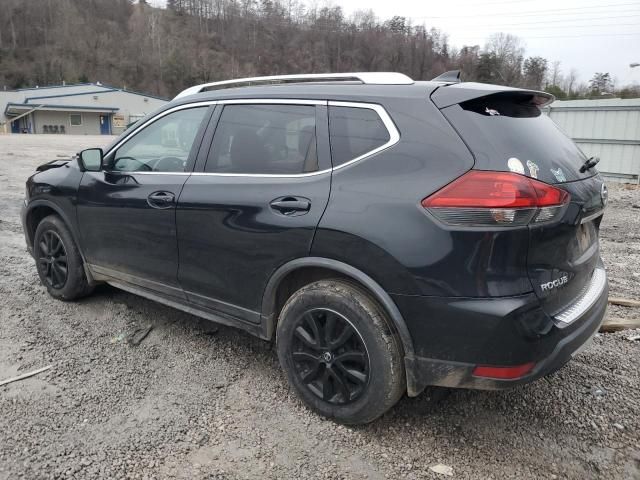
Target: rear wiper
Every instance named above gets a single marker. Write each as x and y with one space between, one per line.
589 163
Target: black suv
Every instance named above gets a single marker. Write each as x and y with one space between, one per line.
387 234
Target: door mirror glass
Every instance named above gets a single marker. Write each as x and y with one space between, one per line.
91 159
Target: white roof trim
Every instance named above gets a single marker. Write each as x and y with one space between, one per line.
372 78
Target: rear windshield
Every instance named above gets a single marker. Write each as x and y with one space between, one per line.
508 133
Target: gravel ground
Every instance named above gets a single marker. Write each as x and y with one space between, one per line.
193 402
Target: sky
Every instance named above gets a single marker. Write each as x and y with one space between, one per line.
586 35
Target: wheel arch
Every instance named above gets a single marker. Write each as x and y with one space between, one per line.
315 266
38 210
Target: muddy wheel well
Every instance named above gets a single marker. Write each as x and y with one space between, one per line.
300 277
297 279
35 216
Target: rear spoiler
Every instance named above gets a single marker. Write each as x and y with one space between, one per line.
461 92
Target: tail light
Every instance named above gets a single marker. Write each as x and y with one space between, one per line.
484 198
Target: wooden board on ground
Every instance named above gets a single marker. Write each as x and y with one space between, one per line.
611 325
625 302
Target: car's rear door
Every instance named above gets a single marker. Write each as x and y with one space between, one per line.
508 132
126 212
253 202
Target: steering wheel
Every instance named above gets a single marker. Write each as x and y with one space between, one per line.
135 160
169 164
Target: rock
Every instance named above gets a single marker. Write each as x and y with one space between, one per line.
442 469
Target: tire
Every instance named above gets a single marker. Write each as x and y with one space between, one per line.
57 256
339 352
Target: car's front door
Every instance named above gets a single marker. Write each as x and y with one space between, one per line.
253 202
126 212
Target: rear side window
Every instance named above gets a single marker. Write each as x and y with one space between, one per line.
509 132
264 139
354 132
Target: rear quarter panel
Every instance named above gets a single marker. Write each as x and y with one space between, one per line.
374 220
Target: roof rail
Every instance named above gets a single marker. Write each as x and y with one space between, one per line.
374 78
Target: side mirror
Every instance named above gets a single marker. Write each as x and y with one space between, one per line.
90 159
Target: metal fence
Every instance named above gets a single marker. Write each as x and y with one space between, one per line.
609 129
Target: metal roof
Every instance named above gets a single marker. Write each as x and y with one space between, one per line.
600 104
76 89
16 108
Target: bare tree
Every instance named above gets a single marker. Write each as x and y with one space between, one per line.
555 74
507 52
163 50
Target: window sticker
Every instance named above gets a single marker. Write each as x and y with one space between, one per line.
491 111
559 174
533 169
515 165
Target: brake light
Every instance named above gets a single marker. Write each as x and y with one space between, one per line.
503 373
486 198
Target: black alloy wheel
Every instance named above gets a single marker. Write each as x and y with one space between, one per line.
329 356
52 259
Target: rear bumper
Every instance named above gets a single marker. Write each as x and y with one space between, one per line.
502 332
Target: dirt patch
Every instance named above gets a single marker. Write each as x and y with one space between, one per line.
189 403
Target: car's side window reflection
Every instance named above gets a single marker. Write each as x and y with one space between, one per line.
163 146
265 139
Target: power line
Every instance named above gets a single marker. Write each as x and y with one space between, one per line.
570 11
511 2
595 25
566 36
493 24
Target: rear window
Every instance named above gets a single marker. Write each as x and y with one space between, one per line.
354 132
508 133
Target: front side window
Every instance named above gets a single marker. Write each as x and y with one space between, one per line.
163 146
75 119
264 139
354 132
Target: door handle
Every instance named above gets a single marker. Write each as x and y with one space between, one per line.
291 206
161 200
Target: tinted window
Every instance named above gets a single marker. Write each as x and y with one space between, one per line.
75 119
354 132
508 132
163 146
273 139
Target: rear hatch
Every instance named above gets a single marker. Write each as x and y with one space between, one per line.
506 130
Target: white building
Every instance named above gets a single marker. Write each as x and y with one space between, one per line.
80 109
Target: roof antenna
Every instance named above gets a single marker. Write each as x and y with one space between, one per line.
452 76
